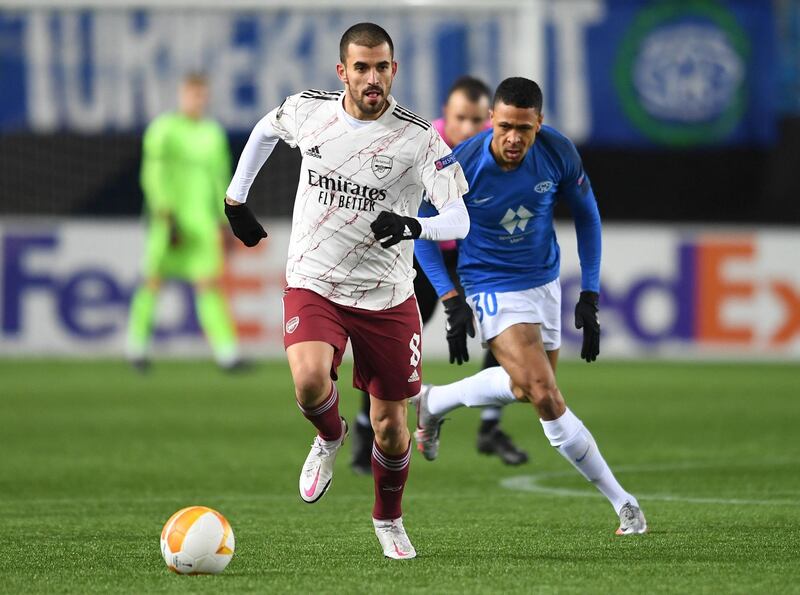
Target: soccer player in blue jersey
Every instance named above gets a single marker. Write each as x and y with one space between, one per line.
509 267
465 114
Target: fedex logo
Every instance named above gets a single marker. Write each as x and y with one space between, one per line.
721 295
89 302
678 295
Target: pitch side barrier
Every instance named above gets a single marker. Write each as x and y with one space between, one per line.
667 292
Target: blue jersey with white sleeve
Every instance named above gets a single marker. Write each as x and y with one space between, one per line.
512 244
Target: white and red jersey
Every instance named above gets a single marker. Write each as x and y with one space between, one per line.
349 174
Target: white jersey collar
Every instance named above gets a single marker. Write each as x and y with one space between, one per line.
355 123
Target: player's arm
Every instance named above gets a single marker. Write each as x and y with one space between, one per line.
459 315
222 170
154 174
578 193
276 125
444 184
430 258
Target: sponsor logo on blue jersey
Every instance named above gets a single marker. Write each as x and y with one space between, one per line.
445 161
514 220
543 187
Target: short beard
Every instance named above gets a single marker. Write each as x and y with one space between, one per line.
364 107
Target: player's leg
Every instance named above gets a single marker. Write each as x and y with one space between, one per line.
552 357
141 321
315 340
491 387
490 416
521 351
495 311
200 259
391 454
488 387
310 363
492 440
141 318
363 436
318 399
216 322
387 348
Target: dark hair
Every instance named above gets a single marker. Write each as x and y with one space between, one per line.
195 78
519 92
473 88
367 34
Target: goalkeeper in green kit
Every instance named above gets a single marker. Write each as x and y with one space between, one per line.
186 166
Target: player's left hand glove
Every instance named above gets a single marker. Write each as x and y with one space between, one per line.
389 228
244 224
587 318
459 325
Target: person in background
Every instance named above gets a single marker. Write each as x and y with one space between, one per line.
186 165
465 114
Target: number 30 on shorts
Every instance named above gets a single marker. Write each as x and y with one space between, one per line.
484 303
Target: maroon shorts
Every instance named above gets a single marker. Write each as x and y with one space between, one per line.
387 344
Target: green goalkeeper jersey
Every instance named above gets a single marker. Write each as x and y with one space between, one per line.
186 166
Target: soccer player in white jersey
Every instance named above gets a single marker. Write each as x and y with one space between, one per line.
366 162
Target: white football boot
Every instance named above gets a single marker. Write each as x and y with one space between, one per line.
428 425
317 473
393 539
631 520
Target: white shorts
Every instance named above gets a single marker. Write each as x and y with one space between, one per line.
496 311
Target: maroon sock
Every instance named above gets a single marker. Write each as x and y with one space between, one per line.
325 416
390 473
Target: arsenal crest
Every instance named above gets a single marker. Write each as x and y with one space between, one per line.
381 166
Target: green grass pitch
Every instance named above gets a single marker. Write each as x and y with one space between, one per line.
95 458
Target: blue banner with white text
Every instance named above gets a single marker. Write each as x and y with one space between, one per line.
614 72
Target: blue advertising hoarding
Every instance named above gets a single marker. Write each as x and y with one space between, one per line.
614 72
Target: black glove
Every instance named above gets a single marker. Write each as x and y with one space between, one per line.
391 228
586 317
244 224
459 325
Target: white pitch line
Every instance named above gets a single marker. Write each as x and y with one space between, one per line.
531 483
524 483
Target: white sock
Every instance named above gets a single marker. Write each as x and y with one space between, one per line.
576 444
491 414
488 387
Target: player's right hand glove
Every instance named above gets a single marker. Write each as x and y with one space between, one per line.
244 224
459 325
587 318
390 228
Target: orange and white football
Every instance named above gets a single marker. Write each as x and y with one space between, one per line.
197 540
